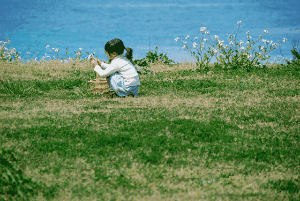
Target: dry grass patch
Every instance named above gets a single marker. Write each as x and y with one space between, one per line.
46 70
160 67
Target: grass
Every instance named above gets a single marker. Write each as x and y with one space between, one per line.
191 135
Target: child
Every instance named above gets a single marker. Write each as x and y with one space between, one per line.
121 75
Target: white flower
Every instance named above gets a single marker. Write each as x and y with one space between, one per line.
221 42
196 38
215 51
183 46
242 48
284 40
56 50
80 49
271 42
202 29
205 39
230 43
194 45
247 42
207 32
187 37
241 42
28 52
248 32
249 37
47 46
265 31
184 42
262 47
216 37
264 41
239 22
176 39
53 48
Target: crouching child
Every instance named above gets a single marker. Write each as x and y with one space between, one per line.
120 73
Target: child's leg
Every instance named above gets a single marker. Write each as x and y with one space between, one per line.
116 84
132 90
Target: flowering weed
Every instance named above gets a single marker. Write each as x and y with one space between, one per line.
8 54
234 55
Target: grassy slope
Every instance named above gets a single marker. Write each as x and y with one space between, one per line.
190 136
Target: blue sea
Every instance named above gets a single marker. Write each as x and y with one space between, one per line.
31 25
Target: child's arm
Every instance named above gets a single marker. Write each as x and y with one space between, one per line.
103 65
109 69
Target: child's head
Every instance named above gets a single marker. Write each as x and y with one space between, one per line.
116 47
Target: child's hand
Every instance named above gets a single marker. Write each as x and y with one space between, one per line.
99 62
94 62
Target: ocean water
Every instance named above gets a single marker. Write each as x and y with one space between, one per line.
31 25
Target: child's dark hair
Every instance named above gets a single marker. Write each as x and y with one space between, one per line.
116 45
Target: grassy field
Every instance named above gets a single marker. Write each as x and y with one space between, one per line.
214 135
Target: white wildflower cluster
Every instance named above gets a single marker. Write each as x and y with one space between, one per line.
8 54
236 52
91 55
194 45
202 29
221 43
55 50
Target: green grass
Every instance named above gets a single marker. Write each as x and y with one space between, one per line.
191 135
